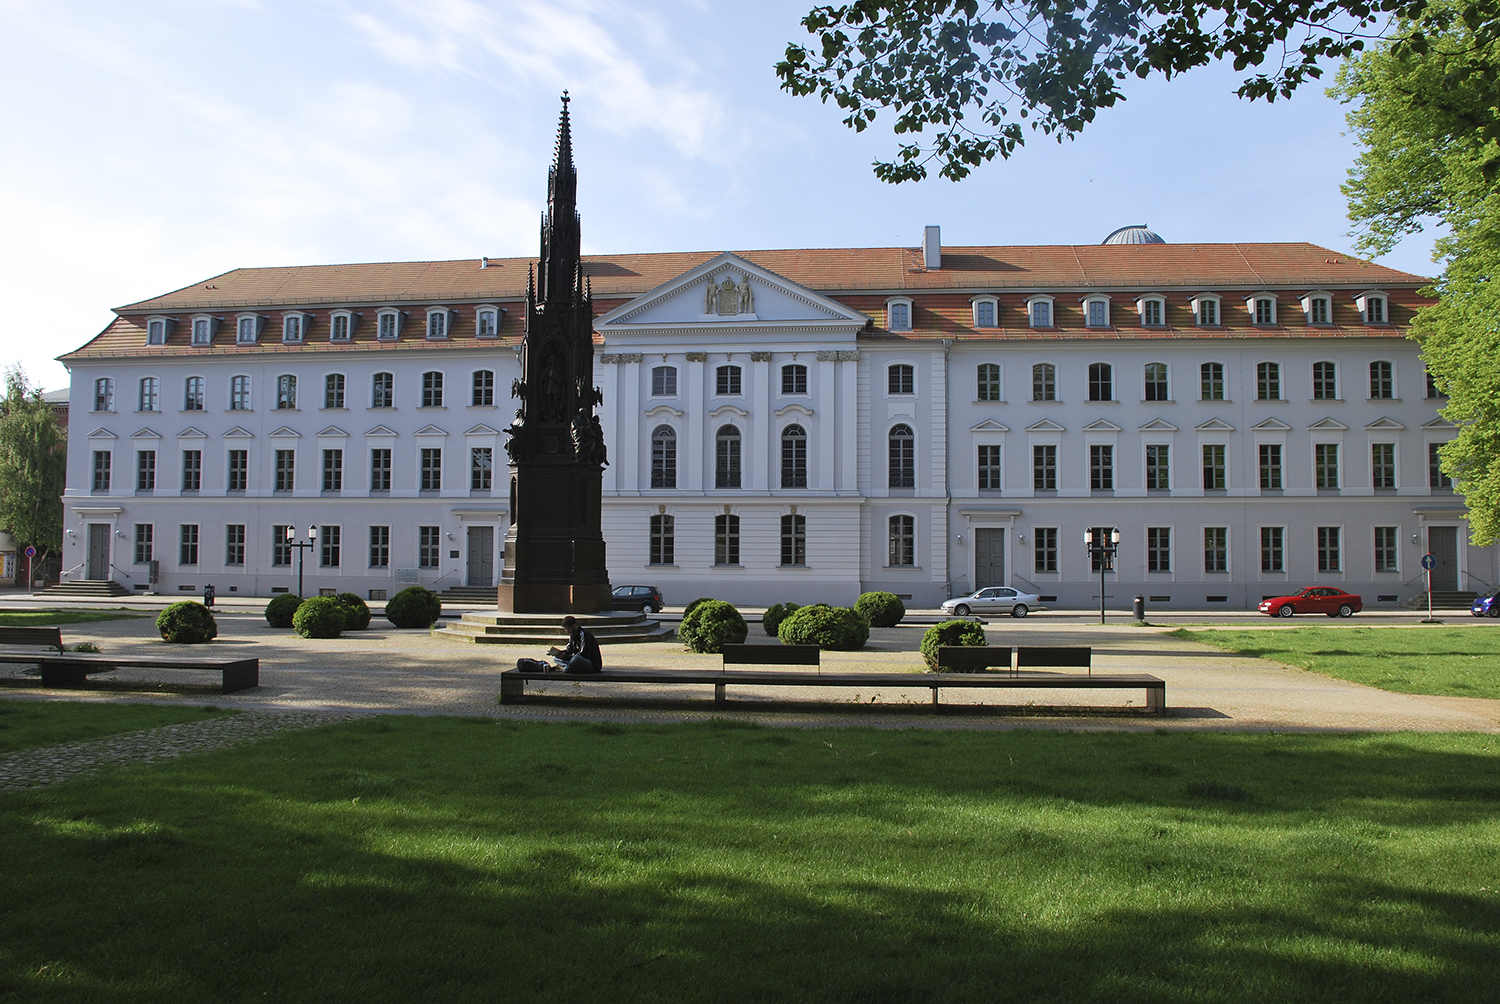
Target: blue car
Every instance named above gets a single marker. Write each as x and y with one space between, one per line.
1486 604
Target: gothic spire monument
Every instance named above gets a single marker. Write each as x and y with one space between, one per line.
554 550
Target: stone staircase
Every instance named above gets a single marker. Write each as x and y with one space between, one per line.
468 594
1443 599
86 589
542 630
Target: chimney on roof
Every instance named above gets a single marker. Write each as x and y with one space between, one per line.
484 262
932 247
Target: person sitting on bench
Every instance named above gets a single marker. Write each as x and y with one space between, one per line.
582 654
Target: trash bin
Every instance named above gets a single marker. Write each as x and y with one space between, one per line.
1140 608
208 595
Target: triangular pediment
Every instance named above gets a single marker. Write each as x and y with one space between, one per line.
482 430
239 432
1384 423
429 430
1271 425
1439 423
333 432
381 430
1158 425
728 291
1101 425
192 433
988 425
102 434
145 434
1328 425
1045 425
1214 425
285 432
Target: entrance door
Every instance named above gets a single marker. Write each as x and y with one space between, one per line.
989 558
482 556
1442 541
98 551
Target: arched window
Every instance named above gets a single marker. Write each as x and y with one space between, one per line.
239 393
794 379
286 392
1101 382
903 457
663 458
727 458
1044 382
989 382
664 381
903 541
793 457
900 379
727 380
192 394
383 391
150 396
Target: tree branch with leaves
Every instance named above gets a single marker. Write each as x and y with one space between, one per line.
33 467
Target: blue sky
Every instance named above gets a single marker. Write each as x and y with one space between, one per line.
154 143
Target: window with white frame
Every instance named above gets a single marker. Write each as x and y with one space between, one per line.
664 381
483 395
293 326
1101 467
341 326
1158 548
104 394
1215 471
1096 311
663 457
286 392
429 546
333 390
1325 382
330 546
1153 311
1326 466
1272 549
1374 308
1216 548
1101 382
900 378
150 395
898 315
1156 382
156 331
103 461
1158 467
487 322
383 390
380 547
431 470
989 468
1044 467
902 458
203 330
726 539
1330 557
663 540
985 312
234 544
1318 307
437 323
1382 380
989 382
902 542
246 329
794 457
794 539
794 379
727 380
388 325
1386 552
1206 312
727 457
1045 551
239 393
145 470
1212 381
481 468
1262 309
144 550
1270 467
432 389
1039 312
1044 382
1383 466
1437 479
192 394
1268 382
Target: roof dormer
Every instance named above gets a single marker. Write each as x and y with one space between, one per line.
203 328
1317 306
1207 310
159 329
247 328
1374 306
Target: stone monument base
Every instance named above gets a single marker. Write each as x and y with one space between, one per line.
543 630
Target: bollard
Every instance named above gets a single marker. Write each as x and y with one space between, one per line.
208 595
1140 608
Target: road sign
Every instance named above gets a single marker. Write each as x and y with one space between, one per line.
30 551
1429 562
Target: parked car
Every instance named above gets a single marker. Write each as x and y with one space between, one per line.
1314 600
646 599
992 599
1486 604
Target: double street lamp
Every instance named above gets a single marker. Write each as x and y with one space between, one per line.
301 545
1103 549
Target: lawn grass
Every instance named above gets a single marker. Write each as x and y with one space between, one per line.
46 618
28 724
1411 659
438 859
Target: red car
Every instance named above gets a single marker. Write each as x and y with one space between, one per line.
1314 600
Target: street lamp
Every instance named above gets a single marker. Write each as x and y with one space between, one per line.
301 545
1104 551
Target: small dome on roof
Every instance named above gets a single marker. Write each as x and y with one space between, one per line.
1139 234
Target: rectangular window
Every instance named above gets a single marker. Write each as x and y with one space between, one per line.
1041 314
1329 559
145 470
1382 381
437 324
481 468
1044 468
1213 381
1216 549
1101 382
1325 382
291 328
484 388
202 334
1265 311
380 547
1267 381
1208 313
901 379
1045 551
1385 549
486 324
145 534
1326 465
793 379
187 549
794 540
663 540
1158 467
156 333
1319 310
1271 557
1436 479
432 390
1383 465
1098 313
900 317
432 469
1213 467
245 333
333 470
429 546
383 391
1044 382
239 470
340 328
1158 548
1102 468
726 540
234 544
330 539
192 470
192 394
1270 467
984 314
989 468
387 328
989 382
286 392
902 550
664 381
281 547
150 395
1433 390
333 389
1375 310
104 394
239 393
727 380
102 462
380 470
1156 382
286 470
1151 313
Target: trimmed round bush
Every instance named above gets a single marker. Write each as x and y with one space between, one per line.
319 617
840 629
356 612
413 607
187 623
881 609
950 633
712 625
280 610
775 614
694 605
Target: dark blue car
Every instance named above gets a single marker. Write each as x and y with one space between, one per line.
1486 604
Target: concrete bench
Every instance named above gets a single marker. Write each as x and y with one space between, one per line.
61 668
978 658
772 655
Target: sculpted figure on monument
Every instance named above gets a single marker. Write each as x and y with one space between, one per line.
746 300
711 298
552 387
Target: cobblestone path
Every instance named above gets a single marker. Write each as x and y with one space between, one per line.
36 768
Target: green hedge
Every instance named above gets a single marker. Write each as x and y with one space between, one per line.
687 610
950 633
356 612
187 622
319 617
881 609
775 614
841 629
413 607
712 625
280 610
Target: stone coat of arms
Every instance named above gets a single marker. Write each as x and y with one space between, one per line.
728 298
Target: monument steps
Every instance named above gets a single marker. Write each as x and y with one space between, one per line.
546 629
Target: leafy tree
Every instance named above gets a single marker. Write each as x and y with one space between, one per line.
33 466
974 71
1427 111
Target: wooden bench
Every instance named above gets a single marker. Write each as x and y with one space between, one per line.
772 655
62 668
47 637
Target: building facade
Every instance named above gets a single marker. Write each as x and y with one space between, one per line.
791 425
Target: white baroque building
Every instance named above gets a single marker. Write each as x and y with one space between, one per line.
791 425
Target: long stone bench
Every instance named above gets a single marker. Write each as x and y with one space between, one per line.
61 668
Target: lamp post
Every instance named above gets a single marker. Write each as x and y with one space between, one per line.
301 545
1104 549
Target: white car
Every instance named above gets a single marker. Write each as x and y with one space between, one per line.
992 599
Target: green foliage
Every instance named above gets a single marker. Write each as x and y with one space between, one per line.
973 72
319 617
413 607
356 612
712 625
32 724
950 633
687 610
85 646
35 618
839 629
881 609
33 467
281 609
775 614
187 622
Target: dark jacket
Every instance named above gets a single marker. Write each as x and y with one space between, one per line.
582 642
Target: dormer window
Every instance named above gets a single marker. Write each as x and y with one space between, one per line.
985 311
294 326
1373 307
898 315
1318 306
1153 310
1262 308
1206 310
247 328
157 329
439 322
341 324
1096 311
204 327
487 322
1039 311
388 327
